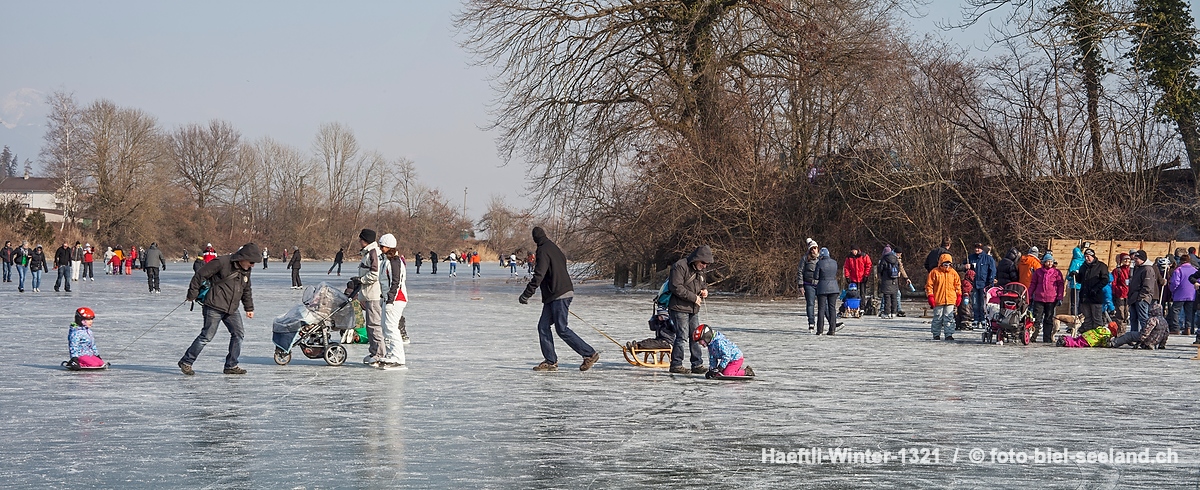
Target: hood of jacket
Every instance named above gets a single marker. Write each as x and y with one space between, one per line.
702 253
249 252
539 236
1013 254
943 258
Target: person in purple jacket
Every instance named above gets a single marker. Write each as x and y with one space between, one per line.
1183 298
1045 293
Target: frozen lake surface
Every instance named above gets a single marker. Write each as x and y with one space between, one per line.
471 414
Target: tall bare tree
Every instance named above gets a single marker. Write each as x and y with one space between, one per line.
64 143
203 157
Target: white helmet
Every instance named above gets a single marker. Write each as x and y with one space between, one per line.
387 240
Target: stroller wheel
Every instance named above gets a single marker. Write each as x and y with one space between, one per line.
282 357
335 355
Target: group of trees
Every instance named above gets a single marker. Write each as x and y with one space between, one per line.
658 125
127 179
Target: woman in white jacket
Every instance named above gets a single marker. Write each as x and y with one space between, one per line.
392 277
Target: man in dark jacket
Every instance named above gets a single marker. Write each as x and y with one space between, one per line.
229 279
688 289
1144 284
6 256
931 260
62 263
1006 270
984 265
552 277
341 255
294 265
154 259
827 292
433 262
420 260
1093 277
889 285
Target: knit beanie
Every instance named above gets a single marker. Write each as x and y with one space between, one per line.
367 235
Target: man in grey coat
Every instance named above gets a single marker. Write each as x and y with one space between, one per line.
154 258
688 289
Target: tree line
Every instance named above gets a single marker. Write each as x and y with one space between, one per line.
749 125
129 180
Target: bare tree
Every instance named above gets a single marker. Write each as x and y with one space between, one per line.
63 148
122 161
204 156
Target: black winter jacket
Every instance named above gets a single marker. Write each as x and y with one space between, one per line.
550 274
230 284
37 261
887 283
1092 279
62 256
931 260
294 261
1006 270
685 281
1144 283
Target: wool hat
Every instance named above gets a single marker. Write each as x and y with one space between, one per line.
367 235
887 249
1048 256
1141 254
809 243
1033 250
1089 252
387 240
824 252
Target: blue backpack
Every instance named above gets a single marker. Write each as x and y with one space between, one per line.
664 295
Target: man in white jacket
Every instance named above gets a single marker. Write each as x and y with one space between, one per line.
369 296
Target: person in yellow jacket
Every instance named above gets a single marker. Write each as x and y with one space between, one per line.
944 288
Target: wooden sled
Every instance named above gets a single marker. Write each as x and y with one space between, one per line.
651 358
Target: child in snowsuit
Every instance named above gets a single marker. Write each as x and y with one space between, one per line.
664 332
724 357
81 343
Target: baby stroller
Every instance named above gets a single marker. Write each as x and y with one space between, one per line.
1012 320
316 325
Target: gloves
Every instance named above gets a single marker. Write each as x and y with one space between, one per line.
931 303
958 300
523 299
711 374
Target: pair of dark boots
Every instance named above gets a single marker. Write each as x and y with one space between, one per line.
683 370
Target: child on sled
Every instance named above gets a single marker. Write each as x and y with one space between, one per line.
663 330
81 343
724 357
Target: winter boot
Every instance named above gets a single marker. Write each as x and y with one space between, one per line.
546 366
186 368
589 361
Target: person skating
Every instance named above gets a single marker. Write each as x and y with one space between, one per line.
294 265
889 285
419 258
62 264
433 261
827 291
370 295
108 256
476 271
209 253
266 256
81 343
154 259
943 287
228 277
89 258
395 298
37 265
21 258
6 258
554 281
452 259
337 262
76 261
808 280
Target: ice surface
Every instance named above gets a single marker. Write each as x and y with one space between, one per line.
470 412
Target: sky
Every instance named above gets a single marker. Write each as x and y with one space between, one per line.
392 71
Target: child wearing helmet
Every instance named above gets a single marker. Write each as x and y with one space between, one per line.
81 343
724 357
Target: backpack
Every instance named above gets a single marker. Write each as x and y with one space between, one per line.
894 271
664 295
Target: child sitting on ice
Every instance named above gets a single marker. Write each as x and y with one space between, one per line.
724 358
81 343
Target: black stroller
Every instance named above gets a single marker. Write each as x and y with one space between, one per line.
316 325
